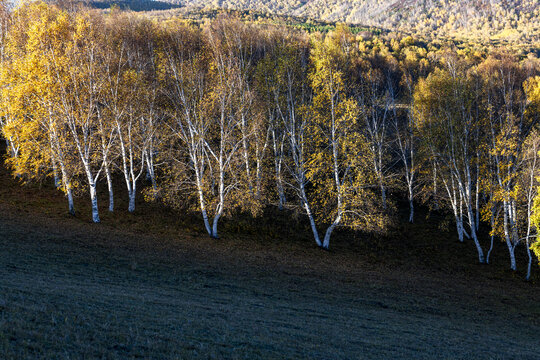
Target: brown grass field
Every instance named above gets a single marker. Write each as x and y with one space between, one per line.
149 285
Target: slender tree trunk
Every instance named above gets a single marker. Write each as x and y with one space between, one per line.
109 187
310 216
132 194
528 276
511 251
202 202
151 172
456 206
492 235
481 258
57 181
215 234
490 249
258 171
464 232
527 241
530 260
14 150
93 198
246 154
67 186
477 192
466 189
278 151
460 229
219 209
507 235
281 194
312 224
69 193
383 193
411 205
335 168
326 243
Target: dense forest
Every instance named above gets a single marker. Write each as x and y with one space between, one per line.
510 20
226 117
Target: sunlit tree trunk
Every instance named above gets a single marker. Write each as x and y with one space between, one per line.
278 164
492 236
507 235
466 188
67 186
337 180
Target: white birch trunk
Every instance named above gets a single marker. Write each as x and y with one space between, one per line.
492 237
511 251
93 199
471 215
221 190
131 206
57 181
202 203
527 242
109 187
67 186
69 194
481 257
477 192
456 206
335 168
246 153
383 193
411 204
460 228
150 171
278 160
326 243
310 217
507 235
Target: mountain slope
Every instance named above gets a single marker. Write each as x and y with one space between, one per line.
513 20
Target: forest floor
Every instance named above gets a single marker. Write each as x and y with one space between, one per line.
151 285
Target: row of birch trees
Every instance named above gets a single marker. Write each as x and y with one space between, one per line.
228 117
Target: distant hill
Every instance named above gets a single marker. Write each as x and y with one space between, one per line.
510 20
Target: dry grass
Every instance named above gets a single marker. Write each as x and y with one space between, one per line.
149 285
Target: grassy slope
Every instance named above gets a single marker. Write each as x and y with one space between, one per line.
140 286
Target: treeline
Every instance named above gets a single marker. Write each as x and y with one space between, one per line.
230 116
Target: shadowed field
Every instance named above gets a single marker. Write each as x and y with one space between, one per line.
137 287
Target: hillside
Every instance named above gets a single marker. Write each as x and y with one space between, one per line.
148 285
166 184
511 20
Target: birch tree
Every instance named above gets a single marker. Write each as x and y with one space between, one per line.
32 123
445 108
404 126
292 96
203 89
376 98
281 81
532 89
508 127
80 89
337 162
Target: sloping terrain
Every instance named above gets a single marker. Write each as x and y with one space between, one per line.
512 20
149 286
